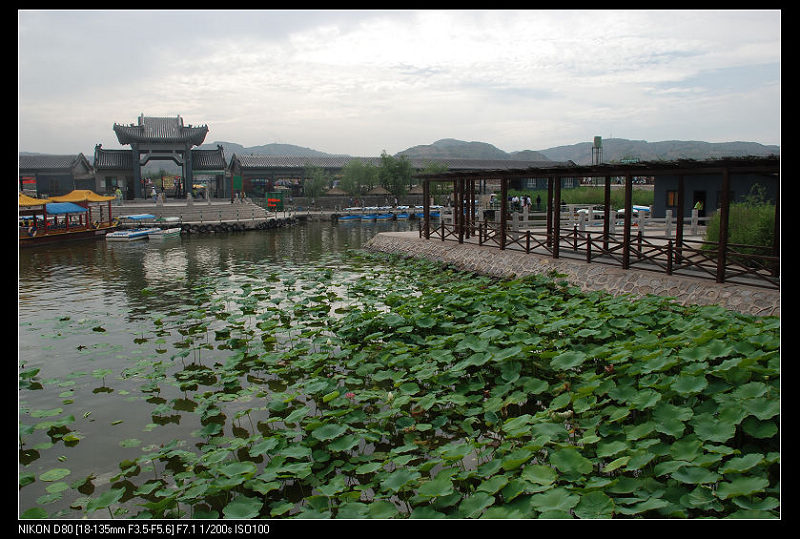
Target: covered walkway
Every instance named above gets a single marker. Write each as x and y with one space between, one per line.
721 260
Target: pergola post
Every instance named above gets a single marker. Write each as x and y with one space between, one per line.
556 216
679 229
606 212
426 207
549 210
626 231
461 209
724 212
503 210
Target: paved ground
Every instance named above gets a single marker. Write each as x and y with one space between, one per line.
485 259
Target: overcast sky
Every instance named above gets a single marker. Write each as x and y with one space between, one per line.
360 82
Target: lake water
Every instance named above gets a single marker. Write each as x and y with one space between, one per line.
87 313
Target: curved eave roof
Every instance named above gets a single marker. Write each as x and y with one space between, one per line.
151 129
113 159
81 195
208 159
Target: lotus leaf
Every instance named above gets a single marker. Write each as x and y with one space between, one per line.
569 461
556 499
741 486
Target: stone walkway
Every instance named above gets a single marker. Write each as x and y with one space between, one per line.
596 276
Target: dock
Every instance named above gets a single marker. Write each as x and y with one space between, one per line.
205 216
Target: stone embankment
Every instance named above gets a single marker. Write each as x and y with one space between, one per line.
591 277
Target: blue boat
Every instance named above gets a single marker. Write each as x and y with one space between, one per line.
384 216
349 217
131 234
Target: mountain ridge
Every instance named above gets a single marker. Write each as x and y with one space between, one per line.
614 149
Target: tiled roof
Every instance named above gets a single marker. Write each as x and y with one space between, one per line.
49 162
284 161
208 159
113 159
278 161
158 129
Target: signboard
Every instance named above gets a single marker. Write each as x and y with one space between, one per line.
275 201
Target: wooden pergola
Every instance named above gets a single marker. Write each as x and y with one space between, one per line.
464 197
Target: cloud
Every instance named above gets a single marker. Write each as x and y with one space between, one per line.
359 82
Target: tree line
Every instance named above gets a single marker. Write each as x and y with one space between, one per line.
395 174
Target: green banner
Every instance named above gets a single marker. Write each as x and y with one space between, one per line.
237 183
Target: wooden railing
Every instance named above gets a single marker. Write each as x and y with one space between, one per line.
744 264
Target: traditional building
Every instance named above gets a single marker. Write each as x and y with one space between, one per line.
258 174
114 169
53 175
155 138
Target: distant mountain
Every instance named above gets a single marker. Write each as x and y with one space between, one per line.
231 148
458 149
616 149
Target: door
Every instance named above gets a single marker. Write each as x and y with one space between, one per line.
699 202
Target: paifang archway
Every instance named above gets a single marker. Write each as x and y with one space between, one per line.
158 138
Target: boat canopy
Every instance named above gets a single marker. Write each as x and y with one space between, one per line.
59 208
81 195
26 201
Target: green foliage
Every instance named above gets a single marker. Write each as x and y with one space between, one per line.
358 177
591 195
397 389
395 173
748 224
315 181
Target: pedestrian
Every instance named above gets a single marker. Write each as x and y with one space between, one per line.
118 195
538 202
154 194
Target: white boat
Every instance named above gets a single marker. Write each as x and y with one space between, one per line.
162 233
131 234
635 209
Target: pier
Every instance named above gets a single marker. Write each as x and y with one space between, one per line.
205 216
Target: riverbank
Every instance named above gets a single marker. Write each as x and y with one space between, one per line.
590 277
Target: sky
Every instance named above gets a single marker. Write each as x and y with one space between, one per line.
363 82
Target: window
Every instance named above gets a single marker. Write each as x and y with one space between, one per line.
672 199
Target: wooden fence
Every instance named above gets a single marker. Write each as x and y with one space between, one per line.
653 247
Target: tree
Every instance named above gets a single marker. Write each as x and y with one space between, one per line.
394 174
357 176
315 180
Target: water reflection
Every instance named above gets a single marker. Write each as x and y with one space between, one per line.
115 274
87 315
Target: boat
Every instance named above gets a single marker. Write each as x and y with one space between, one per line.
132 234
349 217
163 233
64 218
635 209
384 216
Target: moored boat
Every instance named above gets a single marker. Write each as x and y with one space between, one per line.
132 234
64 218
163 233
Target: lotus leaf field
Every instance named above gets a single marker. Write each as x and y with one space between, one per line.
382 387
